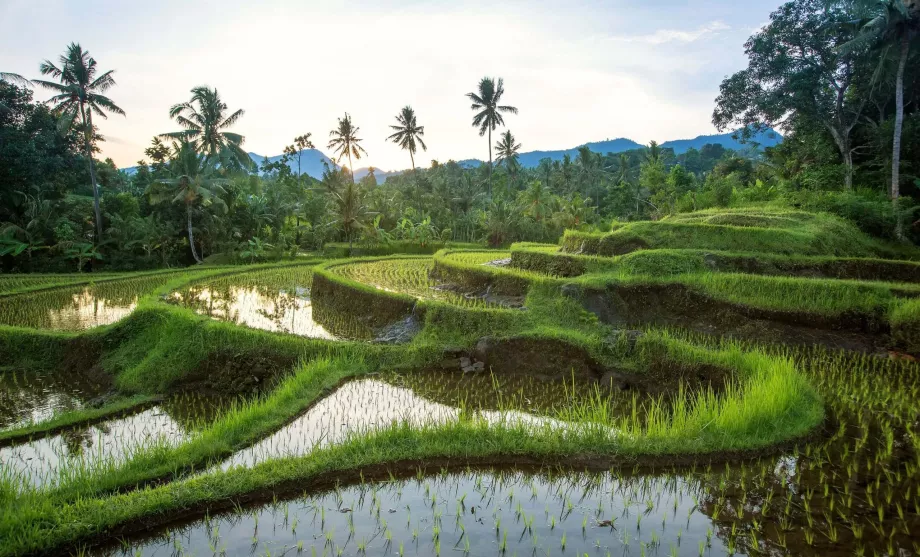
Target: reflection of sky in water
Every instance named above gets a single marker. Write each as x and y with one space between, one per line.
37 462
464 514
87 311
284 311
363 405
20 408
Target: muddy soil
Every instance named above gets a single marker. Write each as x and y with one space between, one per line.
674 305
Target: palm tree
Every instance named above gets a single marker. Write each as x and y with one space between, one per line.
345 141
536 200
653 154
351 212
507 149
408 133
16 79
194 182
205 119
489 112
80 94
892 23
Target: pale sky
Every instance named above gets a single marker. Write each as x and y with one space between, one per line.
578 71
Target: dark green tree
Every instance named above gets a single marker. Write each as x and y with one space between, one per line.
891 24
798 75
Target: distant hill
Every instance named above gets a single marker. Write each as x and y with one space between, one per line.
769 138
312 159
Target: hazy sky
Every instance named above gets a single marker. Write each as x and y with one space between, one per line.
578 71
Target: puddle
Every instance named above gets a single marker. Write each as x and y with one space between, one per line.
78 308
276 300
29 397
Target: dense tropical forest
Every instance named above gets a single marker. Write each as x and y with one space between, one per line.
841 83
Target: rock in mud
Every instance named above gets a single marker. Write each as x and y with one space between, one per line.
399 332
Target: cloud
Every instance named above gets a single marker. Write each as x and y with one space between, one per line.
663 36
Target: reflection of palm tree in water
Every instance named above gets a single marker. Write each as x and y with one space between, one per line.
76 441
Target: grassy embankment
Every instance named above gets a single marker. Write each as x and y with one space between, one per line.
872 294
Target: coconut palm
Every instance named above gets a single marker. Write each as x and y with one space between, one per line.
350 210
489 113
892 24
408 133
194 182
507 149
16 79
205 119
345 141
79 94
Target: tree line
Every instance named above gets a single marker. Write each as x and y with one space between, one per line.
838 78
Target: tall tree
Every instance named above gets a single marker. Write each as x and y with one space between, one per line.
14 78
891 24
194 181
79 94
206 119
345 141
408 134
302 142
797 73
488 112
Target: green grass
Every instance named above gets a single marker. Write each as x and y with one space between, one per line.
343 249
22 283
799 234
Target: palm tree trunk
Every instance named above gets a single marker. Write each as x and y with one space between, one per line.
896 143
351 169
490 162
88 147
418 200
191 235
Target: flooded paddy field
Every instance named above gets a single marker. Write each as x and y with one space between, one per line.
275 300
852 490
418 399
410 277
46 460
32 396
76 308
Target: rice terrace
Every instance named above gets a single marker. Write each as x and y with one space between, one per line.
698 347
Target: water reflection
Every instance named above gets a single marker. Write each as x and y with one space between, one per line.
277 311
363 405
175 420
29 396
42 461
275 300
472 513
80 307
